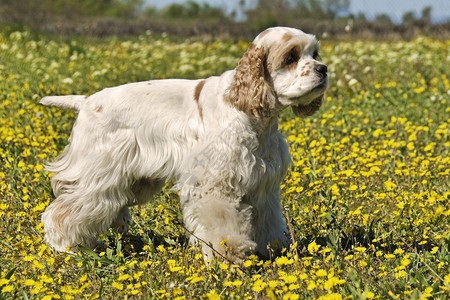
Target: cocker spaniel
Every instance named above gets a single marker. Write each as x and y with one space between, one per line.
217 138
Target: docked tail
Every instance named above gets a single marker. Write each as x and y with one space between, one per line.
69 101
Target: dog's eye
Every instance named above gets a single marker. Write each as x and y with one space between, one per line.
316 55
291 58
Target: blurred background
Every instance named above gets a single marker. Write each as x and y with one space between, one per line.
387 19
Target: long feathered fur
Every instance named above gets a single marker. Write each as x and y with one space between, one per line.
251 92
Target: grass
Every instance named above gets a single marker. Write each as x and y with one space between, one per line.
367 197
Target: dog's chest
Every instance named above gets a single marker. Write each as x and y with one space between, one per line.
273 160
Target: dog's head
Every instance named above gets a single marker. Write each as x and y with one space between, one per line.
280 68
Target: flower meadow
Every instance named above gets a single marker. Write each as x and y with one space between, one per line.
367 198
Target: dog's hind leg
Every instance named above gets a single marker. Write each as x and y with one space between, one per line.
78 217
92 189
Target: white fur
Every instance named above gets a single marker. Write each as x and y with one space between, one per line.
228 164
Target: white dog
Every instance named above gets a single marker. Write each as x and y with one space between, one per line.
217 138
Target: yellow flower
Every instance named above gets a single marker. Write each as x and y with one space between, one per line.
400 274
389 185
311 285
273 284
228 283
289 278
123 277
405 261
237 283
117 285
212 295
291 296
223 266
29 282
283 260
172 266
419 90
313 247
247 263
3 281
197 279
7 288
427 293
399 251
332 281
332 296
258 285
447 279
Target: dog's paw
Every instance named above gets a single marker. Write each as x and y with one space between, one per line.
122 221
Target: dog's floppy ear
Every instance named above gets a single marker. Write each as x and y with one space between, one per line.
250 92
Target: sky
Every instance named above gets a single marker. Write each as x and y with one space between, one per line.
394 8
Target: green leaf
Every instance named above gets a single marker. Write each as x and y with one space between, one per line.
10 273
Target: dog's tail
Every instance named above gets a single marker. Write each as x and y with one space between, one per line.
70 101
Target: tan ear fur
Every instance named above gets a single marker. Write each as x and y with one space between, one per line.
250 92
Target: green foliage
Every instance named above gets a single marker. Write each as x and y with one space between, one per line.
408 17
269 13
320 9
191 10
426 13
23 10
198 18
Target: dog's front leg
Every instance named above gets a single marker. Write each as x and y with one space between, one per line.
271 234
220 224
122 221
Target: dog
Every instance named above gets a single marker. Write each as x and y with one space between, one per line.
217 138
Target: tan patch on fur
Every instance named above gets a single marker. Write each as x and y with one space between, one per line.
294 65
98 108
306 73
278 53
197 92
286 37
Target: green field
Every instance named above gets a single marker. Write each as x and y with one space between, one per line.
367 197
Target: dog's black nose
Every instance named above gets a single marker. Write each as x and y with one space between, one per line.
321 69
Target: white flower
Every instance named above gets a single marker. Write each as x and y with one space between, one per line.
352 82
67 80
